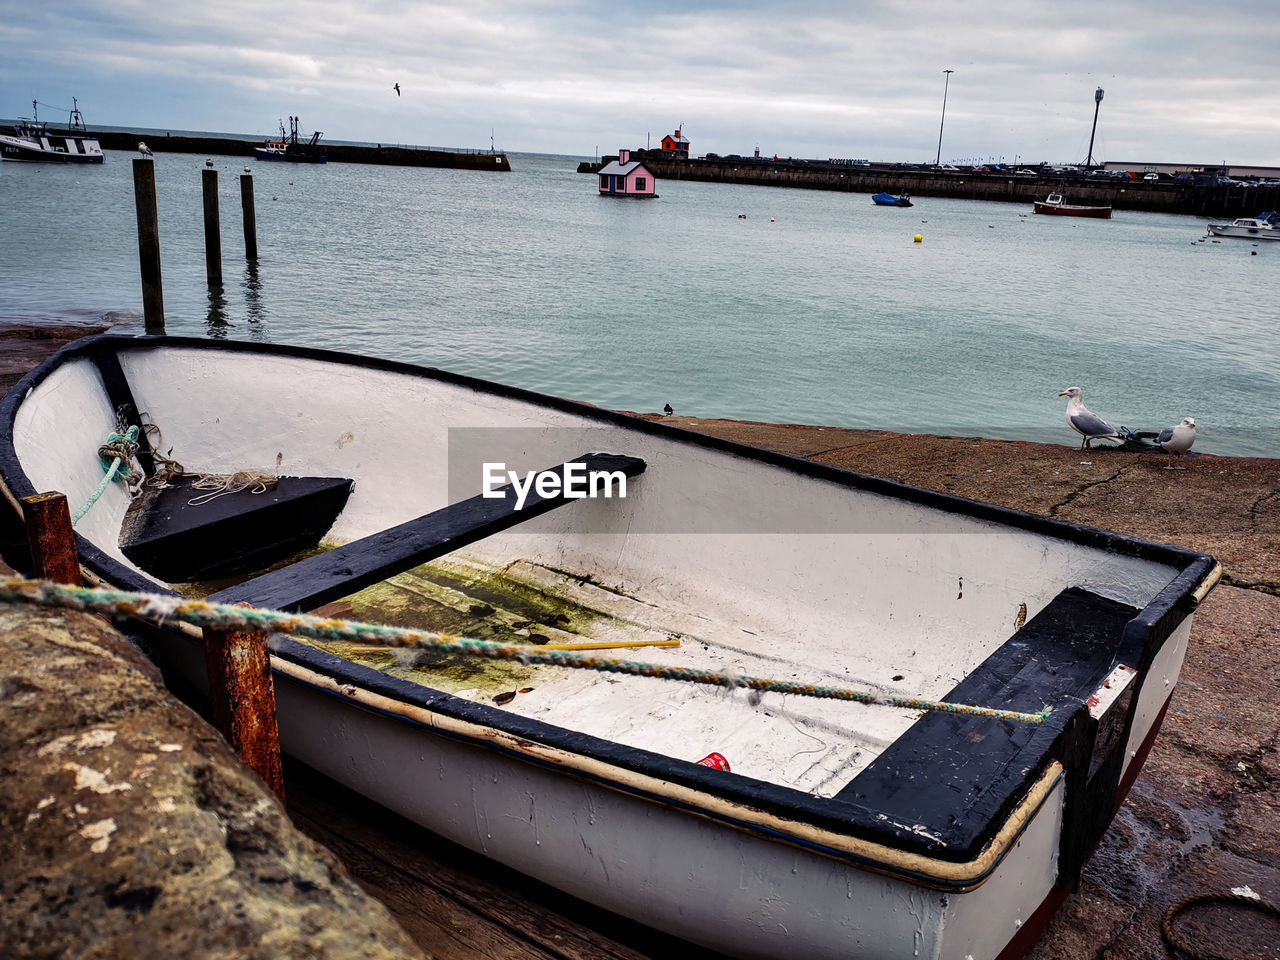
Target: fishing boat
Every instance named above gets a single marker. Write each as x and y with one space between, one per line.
1262 227
289 148
1055 203
889 200
907 717
32 140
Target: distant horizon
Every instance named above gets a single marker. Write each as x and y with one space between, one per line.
255 138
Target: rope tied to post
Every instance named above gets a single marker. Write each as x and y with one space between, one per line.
200 613
116 456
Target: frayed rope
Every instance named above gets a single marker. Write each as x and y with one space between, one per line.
160 608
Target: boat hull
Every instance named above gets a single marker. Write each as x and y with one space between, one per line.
1244 233
1073 210
810 846
53 149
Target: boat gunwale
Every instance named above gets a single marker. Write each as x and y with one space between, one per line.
1122 543
1151 625
867 853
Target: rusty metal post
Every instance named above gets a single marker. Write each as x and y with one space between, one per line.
212 228
144 195
250 217
244 703
50 538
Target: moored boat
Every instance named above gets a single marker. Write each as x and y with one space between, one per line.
32 140
890 200
1055 203
829 827
289 148
1262 227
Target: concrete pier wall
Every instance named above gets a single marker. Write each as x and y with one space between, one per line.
1222 201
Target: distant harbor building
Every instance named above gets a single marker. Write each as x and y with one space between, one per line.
675 145
625 177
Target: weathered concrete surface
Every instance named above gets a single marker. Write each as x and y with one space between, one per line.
1204 816
24 345
128 828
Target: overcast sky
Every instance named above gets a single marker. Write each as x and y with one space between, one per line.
806 79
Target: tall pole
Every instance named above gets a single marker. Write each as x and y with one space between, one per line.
1097 102
945 86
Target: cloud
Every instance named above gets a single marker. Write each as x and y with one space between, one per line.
808 79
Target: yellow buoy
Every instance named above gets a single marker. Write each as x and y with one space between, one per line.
919 238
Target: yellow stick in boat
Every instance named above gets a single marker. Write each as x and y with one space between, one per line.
608 644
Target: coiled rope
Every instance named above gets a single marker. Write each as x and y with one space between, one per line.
1174 939
116 455
200 613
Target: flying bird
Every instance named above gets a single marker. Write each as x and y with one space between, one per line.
1178 440
1085 422
667 410
396 88
144 149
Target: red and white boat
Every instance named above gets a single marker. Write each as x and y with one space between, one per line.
1056 203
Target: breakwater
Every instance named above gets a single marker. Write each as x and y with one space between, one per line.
1208 200
334 152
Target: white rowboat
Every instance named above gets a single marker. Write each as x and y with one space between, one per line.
841 830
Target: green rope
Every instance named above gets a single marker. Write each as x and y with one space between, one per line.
116 456
145 606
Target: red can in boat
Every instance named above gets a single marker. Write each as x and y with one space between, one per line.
715 760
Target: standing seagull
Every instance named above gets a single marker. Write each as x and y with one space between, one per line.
396 88
1177 440
144 149
1084 421
667 410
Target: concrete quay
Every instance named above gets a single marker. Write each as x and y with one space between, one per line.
1220 201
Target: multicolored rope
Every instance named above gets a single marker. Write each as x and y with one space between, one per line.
116 455
159 608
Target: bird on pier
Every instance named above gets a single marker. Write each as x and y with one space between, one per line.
1178 439
396 88
144 149
1085 422
667 411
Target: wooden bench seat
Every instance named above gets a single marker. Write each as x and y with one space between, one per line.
321 579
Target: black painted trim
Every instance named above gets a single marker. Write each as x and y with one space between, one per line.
353 566
121 397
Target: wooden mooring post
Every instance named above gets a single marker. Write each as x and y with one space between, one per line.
250 217
212 228
239 663
50 538
144 195
244 702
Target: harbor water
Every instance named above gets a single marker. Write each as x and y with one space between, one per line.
754 303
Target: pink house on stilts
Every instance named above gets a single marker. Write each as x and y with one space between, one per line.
625 177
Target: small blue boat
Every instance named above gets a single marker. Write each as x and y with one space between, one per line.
889 200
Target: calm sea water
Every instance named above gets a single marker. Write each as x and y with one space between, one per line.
814 308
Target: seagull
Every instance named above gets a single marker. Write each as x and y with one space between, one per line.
396 88
667 410
144 149
1177 440
1084 421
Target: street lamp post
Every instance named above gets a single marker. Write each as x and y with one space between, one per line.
945 86
1097 102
